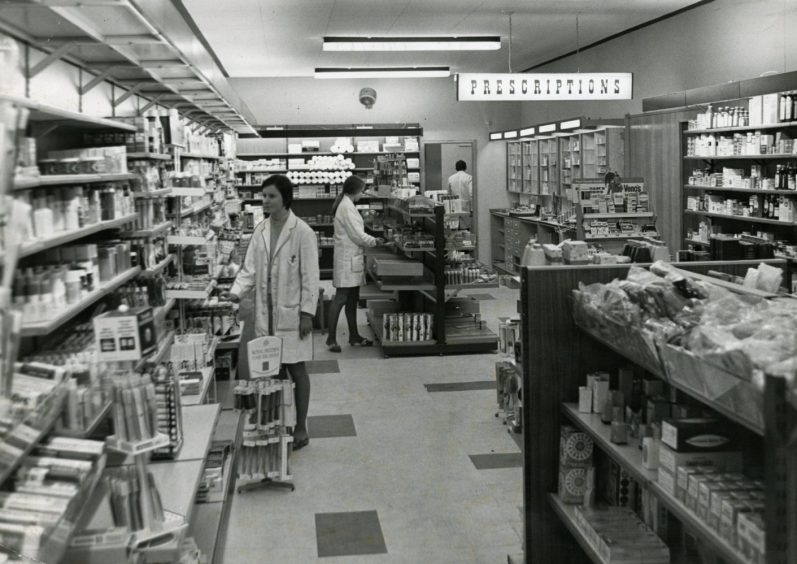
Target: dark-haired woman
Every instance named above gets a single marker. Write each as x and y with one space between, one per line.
349 271
281 269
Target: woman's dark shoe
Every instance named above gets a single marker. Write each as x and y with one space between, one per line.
361 342
301 443
333 347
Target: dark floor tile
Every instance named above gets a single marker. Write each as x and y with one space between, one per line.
497 460
349 534
330 426
481 296
461 386
322 367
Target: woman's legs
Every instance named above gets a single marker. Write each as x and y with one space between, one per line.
351 314
341 300
301 394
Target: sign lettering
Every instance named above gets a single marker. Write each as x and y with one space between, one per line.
545 86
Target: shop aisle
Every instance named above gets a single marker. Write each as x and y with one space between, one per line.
392 472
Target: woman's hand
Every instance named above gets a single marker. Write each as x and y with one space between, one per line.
380 241
229 296
305 325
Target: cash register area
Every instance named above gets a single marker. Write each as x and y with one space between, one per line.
407 463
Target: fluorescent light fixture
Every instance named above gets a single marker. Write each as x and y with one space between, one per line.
383 72
547 128
496 136
512 134
274 128
571 124
528 131
473 43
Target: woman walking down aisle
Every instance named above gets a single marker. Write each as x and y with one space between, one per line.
281 266
349 271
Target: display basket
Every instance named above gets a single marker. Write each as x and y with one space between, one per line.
724 381
634 343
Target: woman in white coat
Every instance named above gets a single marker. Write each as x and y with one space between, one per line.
349 271
281 268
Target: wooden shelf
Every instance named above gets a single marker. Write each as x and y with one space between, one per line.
164 346
739 157
90 428
69 179
199 421
475 286
618 237
742 190
628 456
44 112
323 154
782 125
742 218
43 328
567 514
696 242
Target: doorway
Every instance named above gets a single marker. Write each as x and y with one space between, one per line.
439 160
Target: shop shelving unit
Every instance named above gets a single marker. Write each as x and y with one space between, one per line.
556 357
509 234
735 224
276 148
453 333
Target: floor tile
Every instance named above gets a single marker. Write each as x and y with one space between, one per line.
461 386
330 426
349 533
497 460
322 367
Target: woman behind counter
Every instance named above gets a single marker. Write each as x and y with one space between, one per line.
349 271
281 267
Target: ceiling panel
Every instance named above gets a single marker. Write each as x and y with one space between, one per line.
271 38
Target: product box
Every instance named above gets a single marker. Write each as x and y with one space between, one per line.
769 108
705 492
694 485
618 488
658 409
682 477
696 435
413 162
125 335
751 537
575 447
667 481
671 460
729 518
572 484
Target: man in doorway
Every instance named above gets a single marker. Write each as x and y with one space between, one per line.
461 184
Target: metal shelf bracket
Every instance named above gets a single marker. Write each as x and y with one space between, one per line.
50 59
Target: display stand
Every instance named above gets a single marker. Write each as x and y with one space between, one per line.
557 356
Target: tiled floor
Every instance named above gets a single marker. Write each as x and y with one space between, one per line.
404 473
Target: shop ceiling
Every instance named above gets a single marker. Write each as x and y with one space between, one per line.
282 38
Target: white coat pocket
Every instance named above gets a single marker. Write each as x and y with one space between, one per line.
288 318
357 263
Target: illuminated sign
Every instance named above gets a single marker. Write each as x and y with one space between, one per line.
528 131
544 86
547 128
496 136
510 134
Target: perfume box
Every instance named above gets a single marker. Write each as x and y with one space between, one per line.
696 435
670 460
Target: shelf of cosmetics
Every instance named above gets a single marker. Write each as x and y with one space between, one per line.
65 276
770 207
739 246
651 436
769 110
783 178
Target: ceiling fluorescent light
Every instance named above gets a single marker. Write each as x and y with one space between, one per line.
510 134
496 136
527 131
547 128
474 43
383 72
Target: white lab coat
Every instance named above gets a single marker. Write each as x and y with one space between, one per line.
294 283
461 184
350 240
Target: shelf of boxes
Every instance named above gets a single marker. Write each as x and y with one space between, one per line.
45 112
155 231
69 179
150 156
745 218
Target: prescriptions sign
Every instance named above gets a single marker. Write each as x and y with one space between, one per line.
544 86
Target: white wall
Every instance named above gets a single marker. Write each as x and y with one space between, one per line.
721 41
429 102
